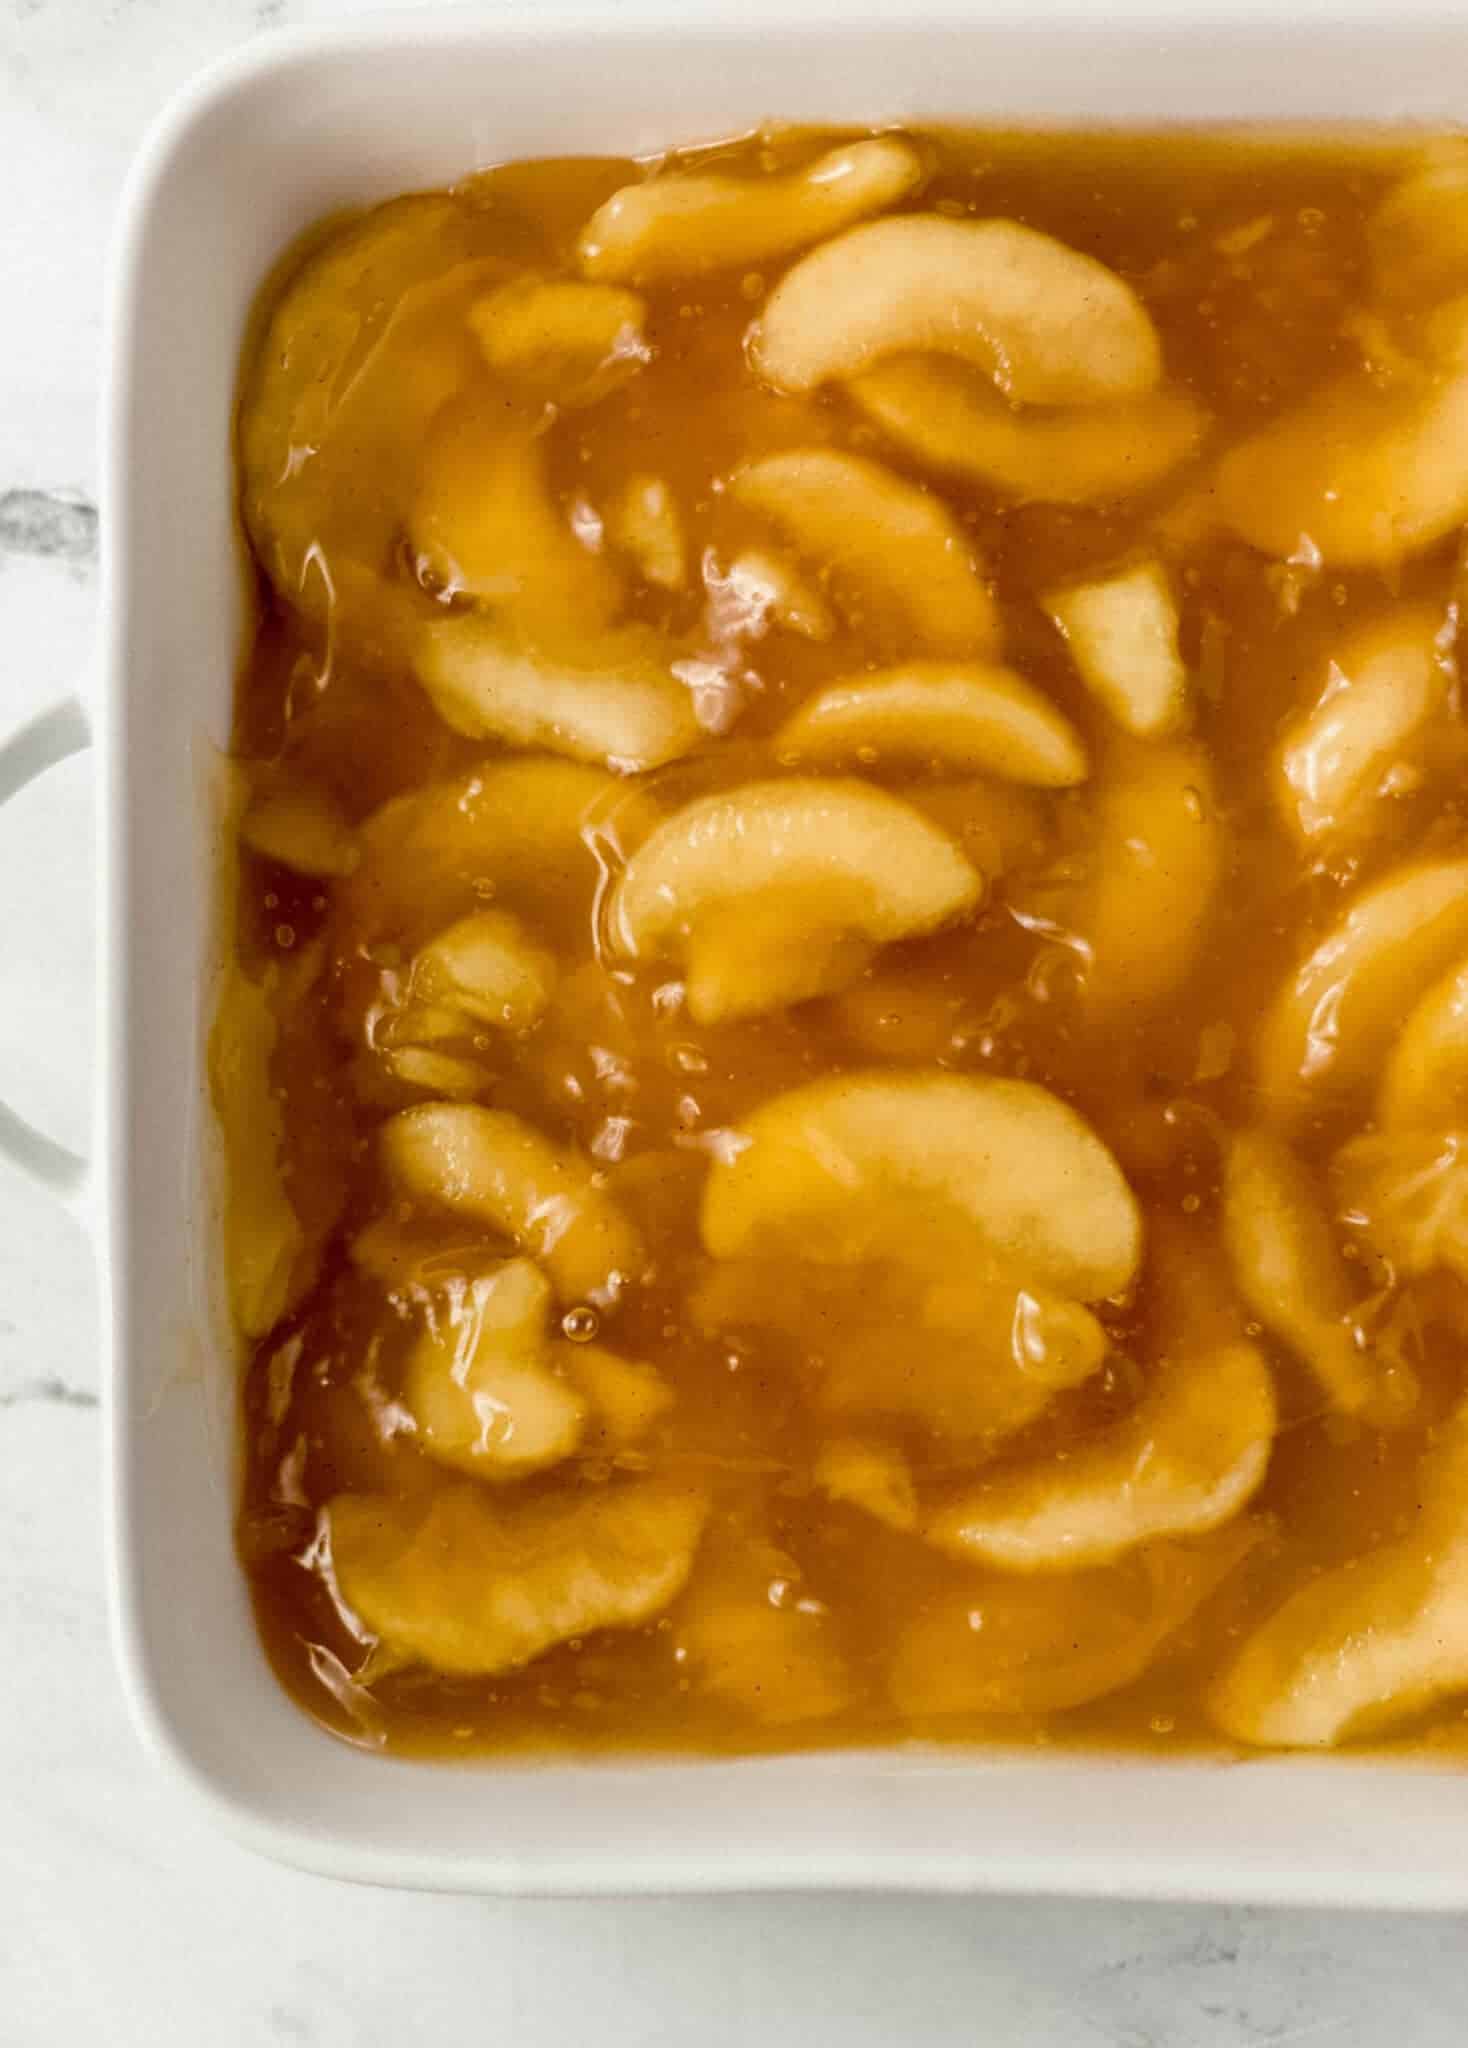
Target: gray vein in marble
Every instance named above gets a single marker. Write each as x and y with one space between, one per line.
50 1391
60 525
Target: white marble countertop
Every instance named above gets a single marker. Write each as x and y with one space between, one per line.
123 1919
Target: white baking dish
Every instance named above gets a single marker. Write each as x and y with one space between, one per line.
291 129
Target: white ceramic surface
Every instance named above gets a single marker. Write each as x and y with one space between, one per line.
236 168
126 1918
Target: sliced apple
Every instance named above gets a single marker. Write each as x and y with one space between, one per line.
626 1397
263 1238
541 829
1441 336
894 1013
968 716
644 523
470 1582
793 834
999 825
1122 634
447 1074
1333 1020
949 417
363 347
1048 324
560 339
687 223
871 1475
937 1333
489 967
1149 878
1405 1189
613 701
1188 1457
843 866
1371 1642
1010 1646
746 1637
1381 694
1288 1268
1365 472
494 1167
1418 234
855 1166
420 1023
485 526
413 1255
769 951
303 829
480 1382
1425 1080
900 566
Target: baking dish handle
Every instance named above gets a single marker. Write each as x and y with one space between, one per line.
51 738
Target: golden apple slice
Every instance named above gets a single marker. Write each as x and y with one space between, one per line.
418 1023
968 716
999 825
889 1012
1188 1457
1152 870
409 1256
1010 1646
644 523
542 829
837 837
363 347
480 1382
1425 1081
471 1582
935 1333
494 1167
447 1074
613 701
690 222
868 1474
263 1238
1370 1642
1336 1015
1288 1269
487 966
748 1638
949 417
848 866
485 526
861 1165
1122 635
1418 234
1364 472
303 829
560 339
1381 693
1405 1189
1048 324
768 951
892 1013
626 1397
899 564
1441 336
